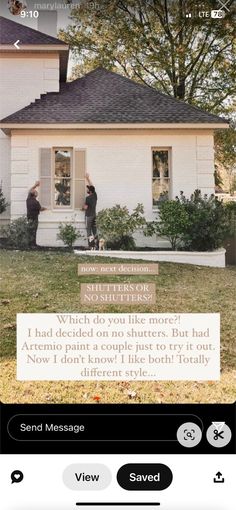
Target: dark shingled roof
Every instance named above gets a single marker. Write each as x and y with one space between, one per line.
102 96
10 31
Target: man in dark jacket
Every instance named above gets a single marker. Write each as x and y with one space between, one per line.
33 209
90 208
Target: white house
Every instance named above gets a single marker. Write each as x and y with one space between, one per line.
136 143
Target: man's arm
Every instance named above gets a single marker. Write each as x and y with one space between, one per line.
36 185
85 206
87 177
38 206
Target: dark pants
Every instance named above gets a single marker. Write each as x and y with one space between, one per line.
32 231
91 225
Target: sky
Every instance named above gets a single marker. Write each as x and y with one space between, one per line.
63 13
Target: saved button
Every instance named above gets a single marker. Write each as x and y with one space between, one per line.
144 477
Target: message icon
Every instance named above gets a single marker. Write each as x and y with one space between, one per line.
16 476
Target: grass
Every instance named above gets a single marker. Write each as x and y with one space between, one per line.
48 282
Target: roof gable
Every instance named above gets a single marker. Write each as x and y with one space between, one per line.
10 31
103 96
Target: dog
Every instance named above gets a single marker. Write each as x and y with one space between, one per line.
101 244
93 242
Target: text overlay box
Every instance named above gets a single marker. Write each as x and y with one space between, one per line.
112 346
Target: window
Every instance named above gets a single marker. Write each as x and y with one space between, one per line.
160 175
62 185
62 177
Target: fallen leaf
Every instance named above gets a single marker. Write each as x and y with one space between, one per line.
131 394
97 398
5 301
9 326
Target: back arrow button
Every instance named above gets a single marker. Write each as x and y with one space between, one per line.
16 44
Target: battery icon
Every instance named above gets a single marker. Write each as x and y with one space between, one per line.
219 14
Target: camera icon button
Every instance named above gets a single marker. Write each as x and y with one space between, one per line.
189 435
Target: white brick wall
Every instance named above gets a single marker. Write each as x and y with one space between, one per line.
205 164
184 170
19 167
120 165
23 79
47 234
5 170
205 153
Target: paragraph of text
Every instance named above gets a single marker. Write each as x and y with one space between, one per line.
111 346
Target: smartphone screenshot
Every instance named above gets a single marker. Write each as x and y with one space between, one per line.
118 254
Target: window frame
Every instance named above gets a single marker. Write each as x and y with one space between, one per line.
53 179
169 150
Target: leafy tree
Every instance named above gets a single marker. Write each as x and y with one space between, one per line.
153 42
228 137
218 179
225 147
230 212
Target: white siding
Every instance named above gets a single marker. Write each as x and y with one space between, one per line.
23 79
184 169
120 166
205 164
5 170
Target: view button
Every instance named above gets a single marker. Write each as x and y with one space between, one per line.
144 477
87 477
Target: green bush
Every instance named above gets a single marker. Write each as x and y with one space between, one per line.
117 226
68 234
125 243
208 223
16 234
198 223
3 202
172 221
230 210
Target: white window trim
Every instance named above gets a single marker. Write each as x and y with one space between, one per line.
169 150
63 208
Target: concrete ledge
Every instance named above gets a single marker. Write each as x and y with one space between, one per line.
202 258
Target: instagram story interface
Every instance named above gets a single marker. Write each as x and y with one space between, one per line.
118 254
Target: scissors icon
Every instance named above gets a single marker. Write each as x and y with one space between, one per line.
218 434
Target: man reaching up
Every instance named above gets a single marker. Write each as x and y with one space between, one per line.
33 209
90 208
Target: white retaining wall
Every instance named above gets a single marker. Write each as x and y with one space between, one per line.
204 258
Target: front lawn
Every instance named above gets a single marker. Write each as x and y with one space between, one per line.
48 282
